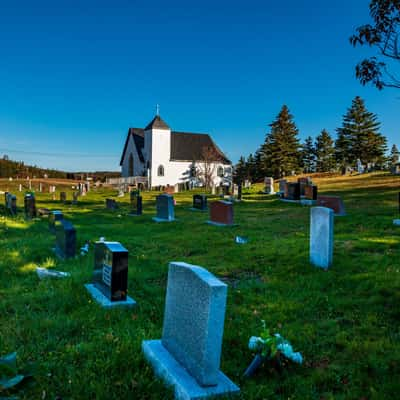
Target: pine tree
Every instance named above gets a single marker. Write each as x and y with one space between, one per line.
394 155
240 170
324 152
359 136
308 155
281 152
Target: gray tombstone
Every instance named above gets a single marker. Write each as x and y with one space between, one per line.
321 237
165 208
188 355
269 185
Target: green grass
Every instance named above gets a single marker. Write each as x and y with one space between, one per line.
344 321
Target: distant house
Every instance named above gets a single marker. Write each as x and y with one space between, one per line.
168 157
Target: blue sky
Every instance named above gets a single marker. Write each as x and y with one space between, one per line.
75 75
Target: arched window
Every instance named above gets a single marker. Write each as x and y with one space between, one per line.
160 171
130 165
220 172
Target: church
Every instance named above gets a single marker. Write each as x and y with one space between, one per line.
168 157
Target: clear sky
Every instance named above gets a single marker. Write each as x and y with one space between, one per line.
74 75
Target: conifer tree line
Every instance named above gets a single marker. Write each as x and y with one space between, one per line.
282 154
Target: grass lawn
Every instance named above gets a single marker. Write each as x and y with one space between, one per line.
344 321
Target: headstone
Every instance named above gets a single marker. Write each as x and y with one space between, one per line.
165 208
321 237
63 197
169 189
333 202
111 204
75 196
235 190
65 239
360 167
247 184
188 355
30 205
311 192
11 203
282 185
303 182
213 190
54 216
40 187
221 213
20 188
136 203
110 274
200 202
269 185
239 195
293 191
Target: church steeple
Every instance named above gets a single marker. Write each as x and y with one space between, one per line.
157 123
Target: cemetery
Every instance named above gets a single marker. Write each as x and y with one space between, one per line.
192 297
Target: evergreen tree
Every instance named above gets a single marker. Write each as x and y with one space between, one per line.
240 173
324 152
359 136
281 152
308 155
394 155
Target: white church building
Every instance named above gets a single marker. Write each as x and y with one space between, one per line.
167 157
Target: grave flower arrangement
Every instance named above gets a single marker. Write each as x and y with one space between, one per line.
273 348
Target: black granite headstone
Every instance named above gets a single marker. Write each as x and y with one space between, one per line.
200 202
111 204
53 217
111 270
239 196
136 203
11 203
75 196
293 191
30 205
65 238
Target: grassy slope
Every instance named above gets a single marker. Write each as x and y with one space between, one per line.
344 321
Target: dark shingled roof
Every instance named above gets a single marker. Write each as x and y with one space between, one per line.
157 123
185 146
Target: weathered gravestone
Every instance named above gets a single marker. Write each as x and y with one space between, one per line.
110 276
111 204
240 189
333 202
54 216
200 202
65 239
221 213
188 355
63 197
269 185
11 204
136 203
321 237
30 205
165 208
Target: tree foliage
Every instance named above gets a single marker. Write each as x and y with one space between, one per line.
324 152
383 35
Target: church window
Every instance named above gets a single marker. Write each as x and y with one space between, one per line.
160 171
220 172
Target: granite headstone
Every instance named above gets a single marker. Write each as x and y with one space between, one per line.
65 239
165 208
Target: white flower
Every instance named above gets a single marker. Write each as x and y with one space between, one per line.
287 350
255 342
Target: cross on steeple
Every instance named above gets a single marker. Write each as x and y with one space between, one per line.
158 110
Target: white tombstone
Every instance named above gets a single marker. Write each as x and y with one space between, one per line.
269 185
321 237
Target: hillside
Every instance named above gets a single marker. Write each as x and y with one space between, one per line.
344 321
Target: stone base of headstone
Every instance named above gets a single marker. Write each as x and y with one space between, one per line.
219 224
105 302
396 222
156 219
59 254
185 386
289 201
307 202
